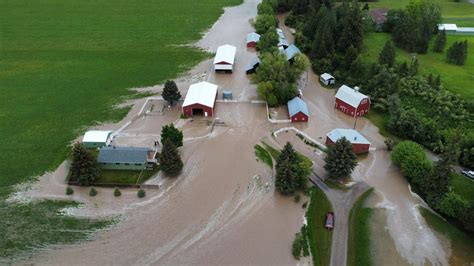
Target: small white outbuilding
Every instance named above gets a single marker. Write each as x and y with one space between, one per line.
96 138
225 57
327 79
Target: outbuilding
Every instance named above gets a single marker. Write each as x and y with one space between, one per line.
379 17
96 138
200 99
350 101
252 39
126 158
252 67
282 41
291 52
327 79
224 60
359 143
298 110
450 29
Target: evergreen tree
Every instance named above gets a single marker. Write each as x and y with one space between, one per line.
387 55
84 169
170 161
437 183
340 159
437 83
291 171
173 134
352 29
457 53
413 70
440 42
403 70
171 92
323 44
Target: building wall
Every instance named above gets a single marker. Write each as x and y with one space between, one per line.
299 117
121 166
356 148
223 67
92 145
188 110
251 44
348 109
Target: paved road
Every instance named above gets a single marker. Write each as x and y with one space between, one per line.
342 202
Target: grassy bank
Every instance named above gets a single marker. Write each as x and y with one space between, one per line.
64 66
320 238
463 186
358 251
263 155
125 176
461 244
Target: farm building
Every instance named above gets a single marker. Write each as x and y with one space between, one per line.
359 143
200 99
125 158
291 52
327 79
224 60
298 110
282 41
379 17
450 29
252 39
351 101
252 67
96 138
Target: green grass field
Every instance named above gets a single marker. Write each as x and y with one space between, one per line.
463 186
263 155
461 244
358 252
125 176
65 64
320 238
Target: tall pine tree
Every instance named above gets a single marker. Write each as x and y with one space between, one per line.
287 179
171 92
340 159
173 134
84 169
352 29
170 161
387 55
440 42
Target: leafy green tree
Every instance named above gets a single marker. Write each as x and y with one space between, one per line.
413 162
265 8
266 92
340 159
173 134
170 160
84 169
265 23
453 205
292 171
117 192
268 42
387 55
440 42
171 92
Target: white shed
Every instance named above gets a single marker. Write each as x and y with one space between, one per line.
96 138
327 79
225 56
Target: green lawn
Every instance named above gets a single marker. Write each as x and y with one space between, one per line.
64 65
463 186
462 245
458 79
320 238
125 176
263 155
358 252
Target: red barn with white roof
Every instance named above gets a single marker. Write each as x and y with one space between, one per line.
359 143
350 101
200 99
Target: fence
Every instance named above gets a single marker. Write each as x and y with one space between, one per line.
275 133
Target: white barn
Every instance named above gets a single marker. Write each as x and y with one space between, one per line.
225 57
96 138
327 79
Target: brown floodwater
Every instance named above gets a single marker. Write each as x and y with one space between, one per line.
223 209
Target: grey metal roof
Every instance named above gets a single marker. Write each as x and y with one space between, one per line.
253 37
297 105
255 61
350 134
291 52
123 155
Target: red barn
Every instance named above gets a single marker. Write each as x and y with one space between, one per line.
200 99
252 39
351 101
359 143
298 110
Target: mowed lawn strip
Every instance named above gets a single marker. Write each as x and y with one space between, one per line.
320 238
358 252
463 186
263 155
65 65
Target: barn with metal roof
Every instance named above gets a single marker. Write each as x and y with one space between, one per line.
298 110
200 99
352 102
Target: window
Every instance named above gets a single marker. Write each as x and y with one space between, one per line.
137 164
127 164
117 163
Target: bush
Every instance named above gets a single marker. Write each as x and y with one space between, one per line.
297 198
141 193
69 191
412 160
117 192
92 192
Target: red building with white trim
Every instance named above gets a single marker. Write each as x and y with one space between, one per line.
200 99
351 101
359 143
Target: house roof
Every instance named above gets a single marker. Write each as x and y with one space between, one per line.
449 27
202 93
291 51
255 61
379 15
297 105
465 29
326 76
96 136
350 96
225 53
280 33
253 37
282 42
123 155
350 134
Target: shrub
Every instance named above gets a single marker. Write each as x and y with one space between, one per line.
141 193
69 191
297 198
92 192
117 192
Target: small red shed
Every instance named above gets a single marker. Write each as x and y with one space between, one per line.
298 110
351 101
200 99
252 39
359 143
